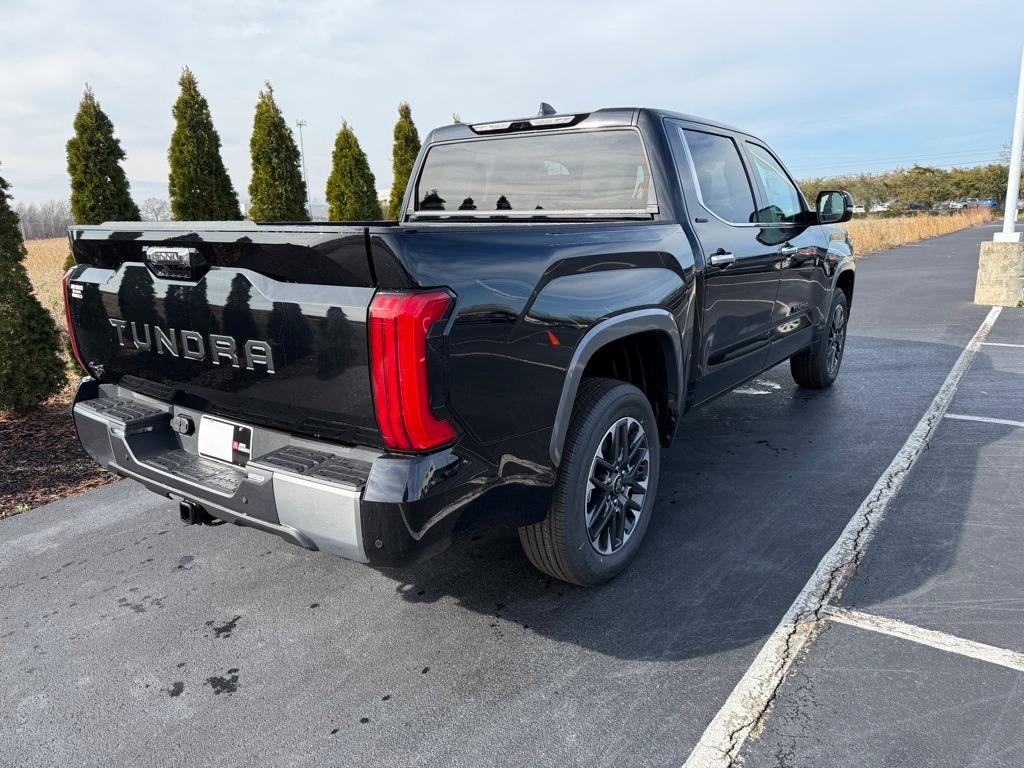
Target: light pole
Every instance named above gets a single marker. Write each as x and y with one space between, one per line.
302 154
1009 233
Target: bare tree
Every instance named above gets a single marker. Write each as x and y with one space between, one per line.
49 219
155 209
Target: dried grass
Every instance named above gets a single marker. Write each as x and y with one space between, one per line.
45 265
871 235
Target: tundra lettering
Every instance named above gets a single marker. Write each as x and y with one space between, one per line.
144 337
517 349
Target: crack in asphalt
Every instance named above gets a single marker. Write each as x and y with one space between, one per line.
809 618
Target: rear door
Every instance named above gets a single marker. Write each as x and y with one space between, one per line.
740 275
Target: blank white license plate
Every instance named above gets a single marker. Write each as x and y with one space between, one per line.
224 440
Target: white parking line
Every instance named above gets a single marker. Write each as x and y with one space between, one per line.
929 637
1003 344
984 419
747 705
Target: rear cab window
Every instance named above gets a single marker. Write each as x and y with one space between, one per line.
580 173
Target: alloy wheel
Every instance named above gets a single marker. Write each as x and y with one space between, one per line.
617 486
836 340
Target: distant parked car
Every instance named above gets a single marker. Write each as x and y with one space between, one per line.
974 202
879 208
858 209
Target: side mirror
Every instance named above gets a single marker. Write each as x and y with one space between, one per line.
834 207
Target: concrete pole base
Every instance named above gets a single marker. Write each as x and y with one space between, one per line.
1000 275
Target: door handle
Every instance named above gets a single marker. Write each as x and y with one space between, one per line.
788 250
722 258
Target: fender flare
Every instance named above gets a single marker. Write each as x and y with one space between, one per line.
848 265
617 327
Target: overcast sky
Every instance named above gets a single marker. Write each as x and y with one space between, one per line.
834 86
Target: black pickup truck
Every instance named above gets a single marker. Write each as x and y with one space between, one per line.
517 350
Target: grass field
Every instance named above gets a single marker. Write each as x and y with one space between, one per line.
872 235
45 265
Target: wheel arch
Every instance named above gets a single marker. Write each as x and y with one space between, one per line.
603 343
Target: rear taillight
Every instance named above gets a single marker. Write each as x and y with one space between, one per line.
399 325
67 315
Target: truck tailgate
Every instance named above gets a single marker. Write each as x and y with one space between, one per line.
264 326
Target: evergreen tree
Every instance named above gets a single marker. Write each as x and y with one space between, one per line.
200 187
99 187
351 187
30 366
276 192
407 146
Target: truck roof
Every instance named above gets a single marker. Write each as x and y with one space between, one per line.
607 117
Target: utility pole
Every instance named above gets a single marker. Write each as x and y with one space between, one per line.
302 154
1009 233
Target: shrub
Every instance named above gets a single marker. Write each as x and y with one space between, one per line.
30 365
99 187
351 187
200 187
403 156
276 192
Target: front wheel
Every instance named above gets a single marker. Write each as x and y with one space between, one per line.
605 490
817 367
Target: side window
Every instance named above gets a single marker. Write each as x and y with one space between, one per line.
783 199
720 177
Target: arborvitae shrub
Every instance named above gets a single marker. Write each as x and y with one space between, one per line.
31 368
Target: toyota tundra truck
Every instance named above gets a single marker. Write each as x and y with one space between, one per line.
517 350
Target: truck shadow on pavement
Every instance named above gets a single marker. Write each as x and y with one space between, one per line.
755 489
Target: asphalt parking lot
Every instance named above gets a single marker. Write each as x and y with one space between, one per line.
129 639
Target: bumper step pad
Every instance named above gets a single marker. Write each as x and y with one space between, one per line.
318 465
128 413
196 469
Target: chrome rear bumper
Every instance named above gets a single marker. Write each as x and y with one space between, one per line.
306 492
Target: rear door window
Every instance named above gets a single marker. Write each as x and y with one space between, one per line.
721 179
581 171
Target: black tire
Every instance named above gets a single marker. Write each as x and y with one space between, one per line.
561 545
818 366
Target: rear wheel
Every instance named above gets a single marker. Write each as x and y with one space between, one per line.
605 490
818 366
